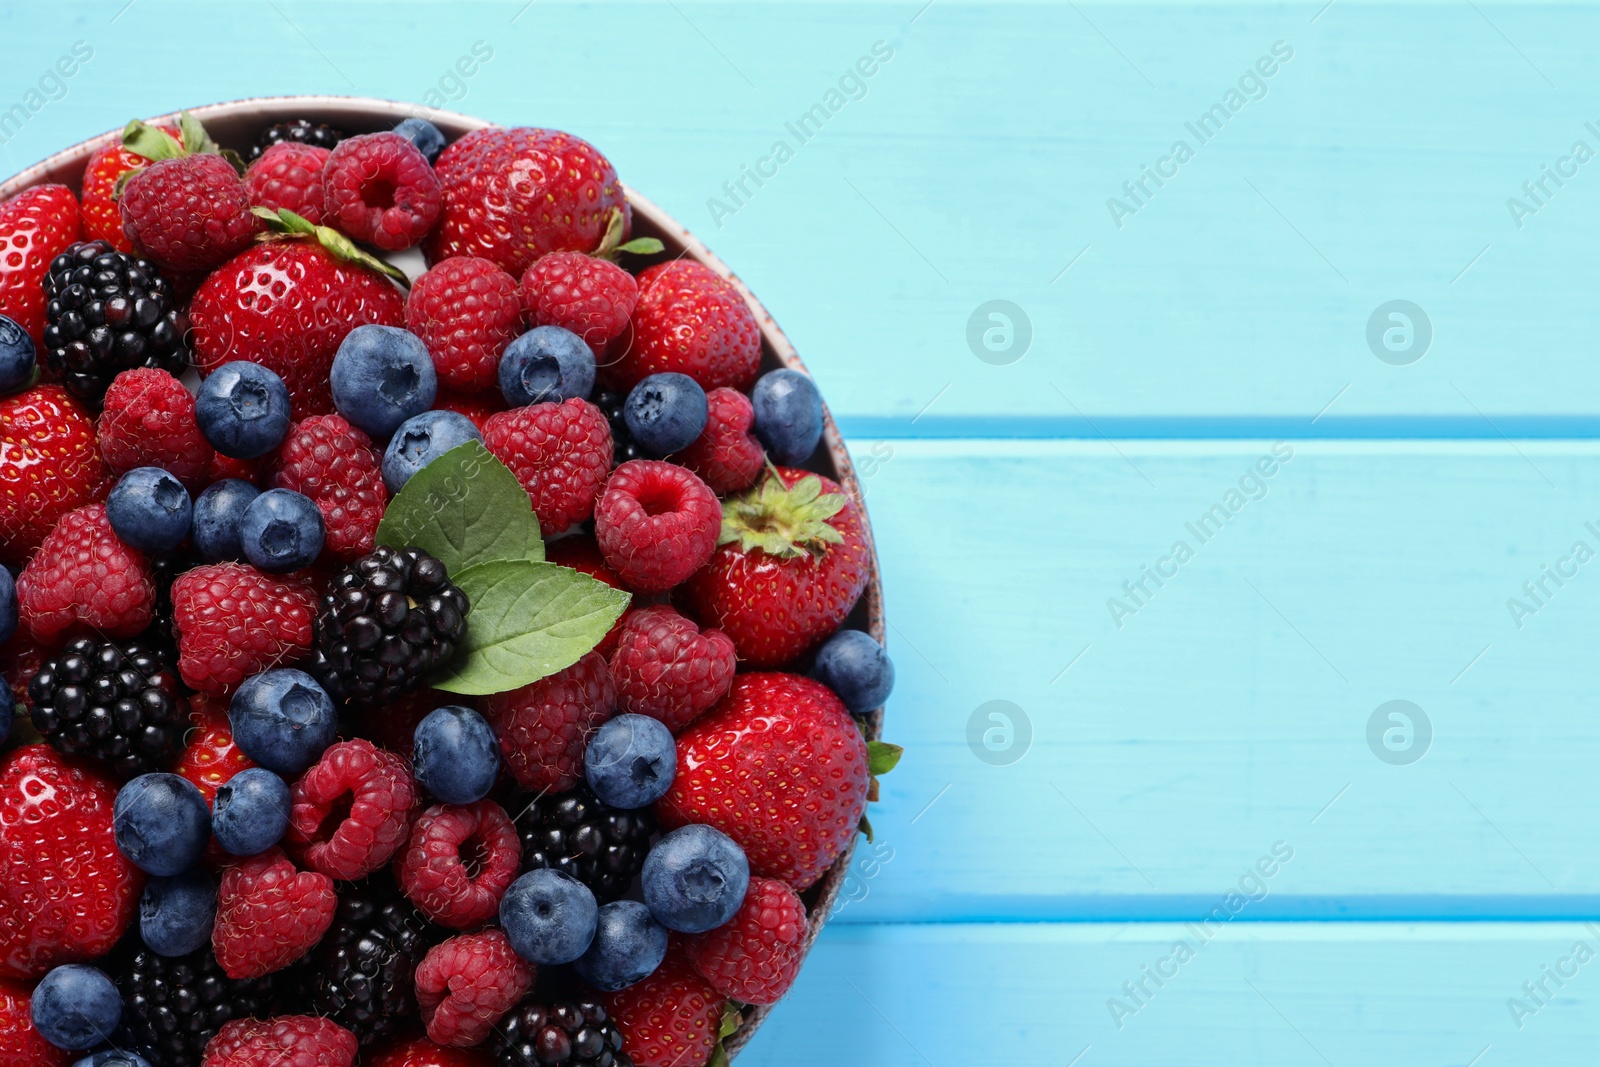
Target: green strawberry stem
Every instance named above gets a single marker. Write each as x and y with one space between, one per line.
783 521
285 225
610 246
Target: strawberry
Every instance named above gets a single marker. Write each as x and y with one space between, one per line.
792 561
36 226
420 1052
20 1044
101 219
692 320
49 465
671 1018
780 767
210 756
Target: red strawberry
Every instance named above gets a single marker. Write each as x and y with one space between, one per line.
780 767
670 1019
20 1044
692 320
420 1052
545 726
210 757
49 465
284 1041
333 463
591 297
68 894
755 956
478 407
514 195
148 421
36 226
269 914
232 621
288 305
726 454
466 310
84 578
190 213
101 219
792 563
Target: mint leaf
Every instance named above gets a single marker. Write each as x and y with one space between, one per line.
528 620
882 757
464 508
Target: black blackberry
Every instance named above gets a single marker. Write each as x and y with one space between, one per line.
173 1005
573 1032
165 569
116 703
577 832
302 130
108 312
623 446
389 619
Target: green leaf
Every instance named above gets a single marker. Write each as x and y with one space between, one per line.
195 138
285 223
882 757
719 1057
464 508
732 1018
642 246
151 142
865 827
528 620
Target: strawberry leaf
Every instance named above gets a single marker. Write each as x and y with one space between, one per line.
195 138
642 246
882 757
719 1057
732 1017
865 827
283 224
151 142
782 521
464 508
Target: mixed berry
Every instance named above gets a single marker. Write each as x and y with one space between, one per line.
436 673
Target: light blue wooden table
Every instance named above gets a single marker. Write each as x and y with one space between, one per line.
1171 740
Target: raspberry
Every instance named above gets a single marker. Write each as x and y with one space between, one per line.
755 956
668 668
434 870
372 787
175 1005
578 833
466 310
148 421
289 175
190 213
656 524
583 555
361 975
561 453
692 320
20 1044
233 622
726 454
670 1018
332 462
380 188
83 577
545 726
117 704
286 1041
577 1033
269 914
466 984
591 297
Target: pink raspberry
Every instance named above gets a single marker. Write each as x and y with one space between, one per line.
466 311
466 984
83 578
351 810
379 188
727 454
561 453
188 214
269 914
289 175
755 956
433 867
656 524
286 1041
591 297
333 463
148 421
544 727
667 668
233 621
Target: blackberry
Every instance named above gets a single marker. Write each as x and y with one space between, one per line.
116 703
388 620
623 446
165 569
577 832
303 130
573 1032
108 312
172 1006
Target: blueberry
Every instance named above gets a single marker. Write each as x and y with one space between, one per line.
628 947
76 1007
283 720
548 916
243 409
8 605
161 823
788 415
857 668
546 364
251 812
421 440
114 1057
694 879
455 756
630 761
176 913
382 376
665 412
17 356
424 134
218 513
150 510
281 531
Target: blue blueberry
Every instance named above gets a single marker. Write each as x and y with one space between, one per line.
382 376
17 356
162 823
455 756
114 1057
76 1007
665 412
421 440
283 720
176 913
857 668
281 531
243 409
218 514
8 605
628 946
424 134
548 916
547 363
788 415
251 812
694 879
150 510
630 761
